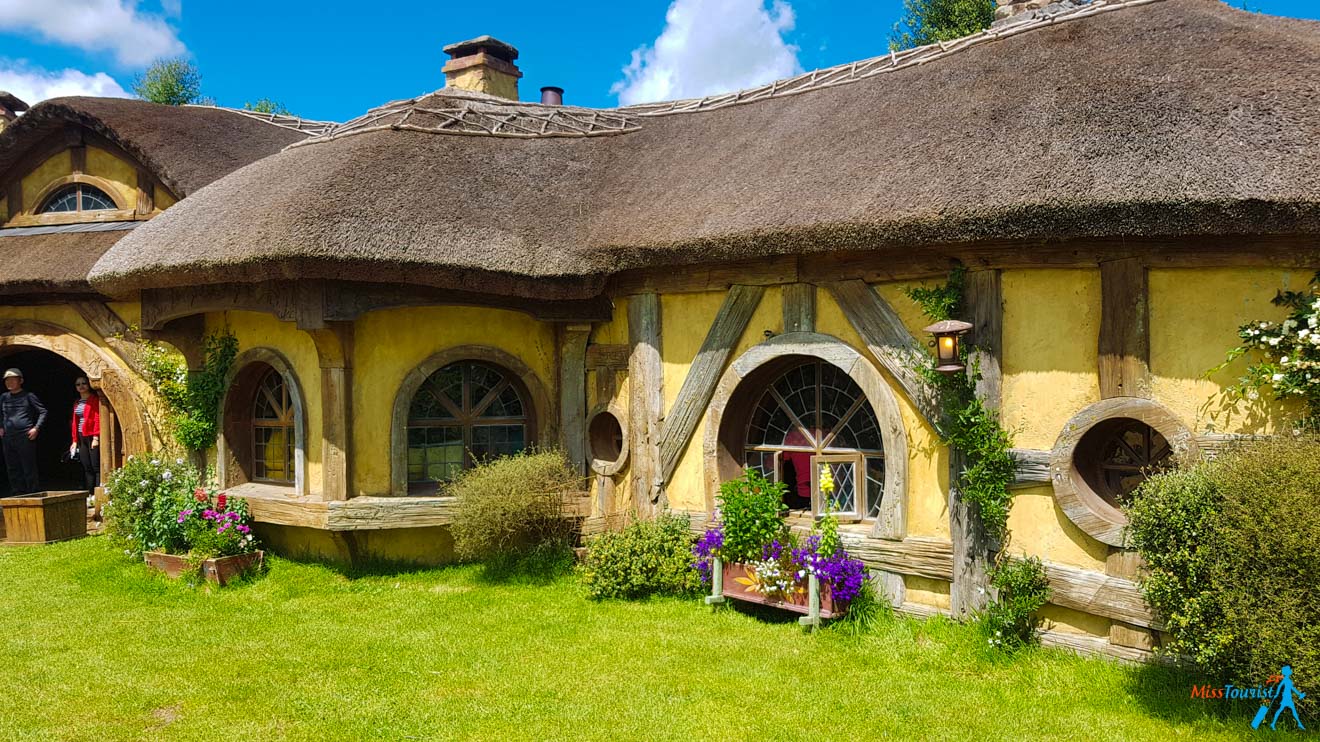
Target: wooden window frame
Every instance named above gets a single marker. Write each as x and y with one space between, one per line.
287 422
860 485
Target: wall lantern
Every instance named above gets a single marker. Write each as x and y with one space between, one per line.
948 334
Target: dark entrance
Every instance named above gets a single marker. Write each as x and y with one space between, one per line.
50 377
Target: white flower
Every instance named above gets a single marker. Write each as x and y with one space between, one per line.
178 461
167 476
1284 360
155 462
1278 377
1272 341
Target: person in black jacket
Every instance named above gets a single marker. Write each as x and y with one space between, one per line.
23 415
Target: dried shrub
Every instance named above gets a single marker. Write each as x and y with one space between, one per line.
513 506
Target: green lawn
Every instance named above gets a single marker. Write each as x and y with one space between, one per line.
95 648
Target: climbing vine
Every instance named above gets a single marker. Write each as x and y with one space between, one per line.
192 401
1287 353
969 425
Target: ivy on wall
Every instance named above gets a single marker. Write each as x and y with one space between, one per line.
192 401
969 425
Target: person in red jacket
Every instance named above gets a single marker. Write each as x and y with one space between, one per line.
86 432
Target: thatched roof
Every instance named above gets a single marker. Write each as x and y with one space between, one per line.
1146 118
11 102
186 147
55 260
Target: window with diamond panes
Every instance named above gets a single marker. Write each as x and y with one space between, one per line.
272 430
464 413
77 197
816 414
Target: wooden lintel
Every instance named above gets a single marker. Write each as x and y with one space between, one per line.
800 307
645 401
1124 362
146 192
704 373
608 355
162 305
890 342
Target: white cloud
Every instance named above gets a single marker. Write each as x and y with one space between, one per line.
32 84
117 26
709 47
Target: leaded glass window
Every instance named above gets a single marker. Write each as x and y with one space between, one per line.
815 415
272 430
77 197
463 413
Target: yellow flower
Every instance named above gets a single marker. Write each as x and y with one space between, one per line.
826 479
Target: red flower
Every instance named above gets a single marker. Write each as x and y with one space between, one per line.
199 494
220 501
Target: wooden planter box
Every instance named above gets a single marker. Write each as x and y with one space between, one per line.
801 603
44 517
219 571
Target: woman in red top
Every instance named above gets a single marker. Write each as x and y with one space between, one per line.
86 432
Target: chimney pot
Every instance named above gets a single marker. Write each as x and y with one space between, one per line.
552 96
484 65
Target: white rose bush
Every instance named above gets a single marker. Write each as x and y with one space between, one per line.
1286 354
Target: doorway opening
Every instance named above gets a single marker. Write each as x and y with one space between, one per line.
50 376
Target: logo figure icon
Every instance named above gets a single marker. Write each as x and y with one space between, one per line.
1285 691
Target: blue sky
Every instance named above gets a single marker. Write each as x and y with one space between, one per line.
331 60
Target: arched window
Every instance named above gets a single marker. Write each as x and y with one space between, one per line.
77 197
272 430
465 412
1117 455
811 416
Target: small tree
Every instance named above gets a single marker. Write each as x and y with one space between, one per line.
170 82
928 21
266 105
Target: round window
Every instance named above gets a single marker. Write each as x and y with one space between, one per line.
1105 452
607 441
1117 455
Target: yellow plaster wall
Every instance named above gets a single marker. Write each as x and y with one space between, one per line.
162 198
57 166
925 591
1194 318
122 175
613 332
1069 621
1051 349
1040 527
259 330
388 344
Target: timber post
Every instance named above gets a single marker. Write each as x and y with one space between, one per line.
573 393
645 401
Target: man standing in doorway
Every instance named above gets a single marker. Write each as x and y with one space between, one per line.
23 415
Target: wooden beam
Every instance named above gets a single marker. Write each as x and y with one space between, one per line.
121 338
608 355
146 192
799 307
890 342
1099 594
984 297
704 373
1124 363
334 351
645 400
1031 466
78 160
573 393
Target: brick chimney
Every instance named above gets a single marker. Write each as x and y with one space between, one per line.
10 107
483 64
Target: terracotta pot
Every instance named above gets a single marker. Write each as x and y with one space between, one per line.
218 570
796 603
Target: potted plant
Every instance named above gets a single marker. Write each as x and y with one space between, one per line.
750 553
159 511
218 536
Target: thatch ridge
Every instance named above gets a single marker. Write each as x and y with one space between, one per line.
1156 119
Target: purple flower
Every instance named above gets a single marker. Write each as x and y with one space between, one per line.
183 515
706 549
841 574
244 529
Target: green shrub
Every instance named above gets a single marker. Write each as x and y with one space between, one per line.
648 557
513 506
146 495
1010 621
752 512
1232 548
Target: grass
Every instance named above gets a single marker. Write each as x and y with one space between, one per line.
93 647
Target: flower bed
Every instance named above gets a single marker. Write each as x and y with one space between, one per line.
159 511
